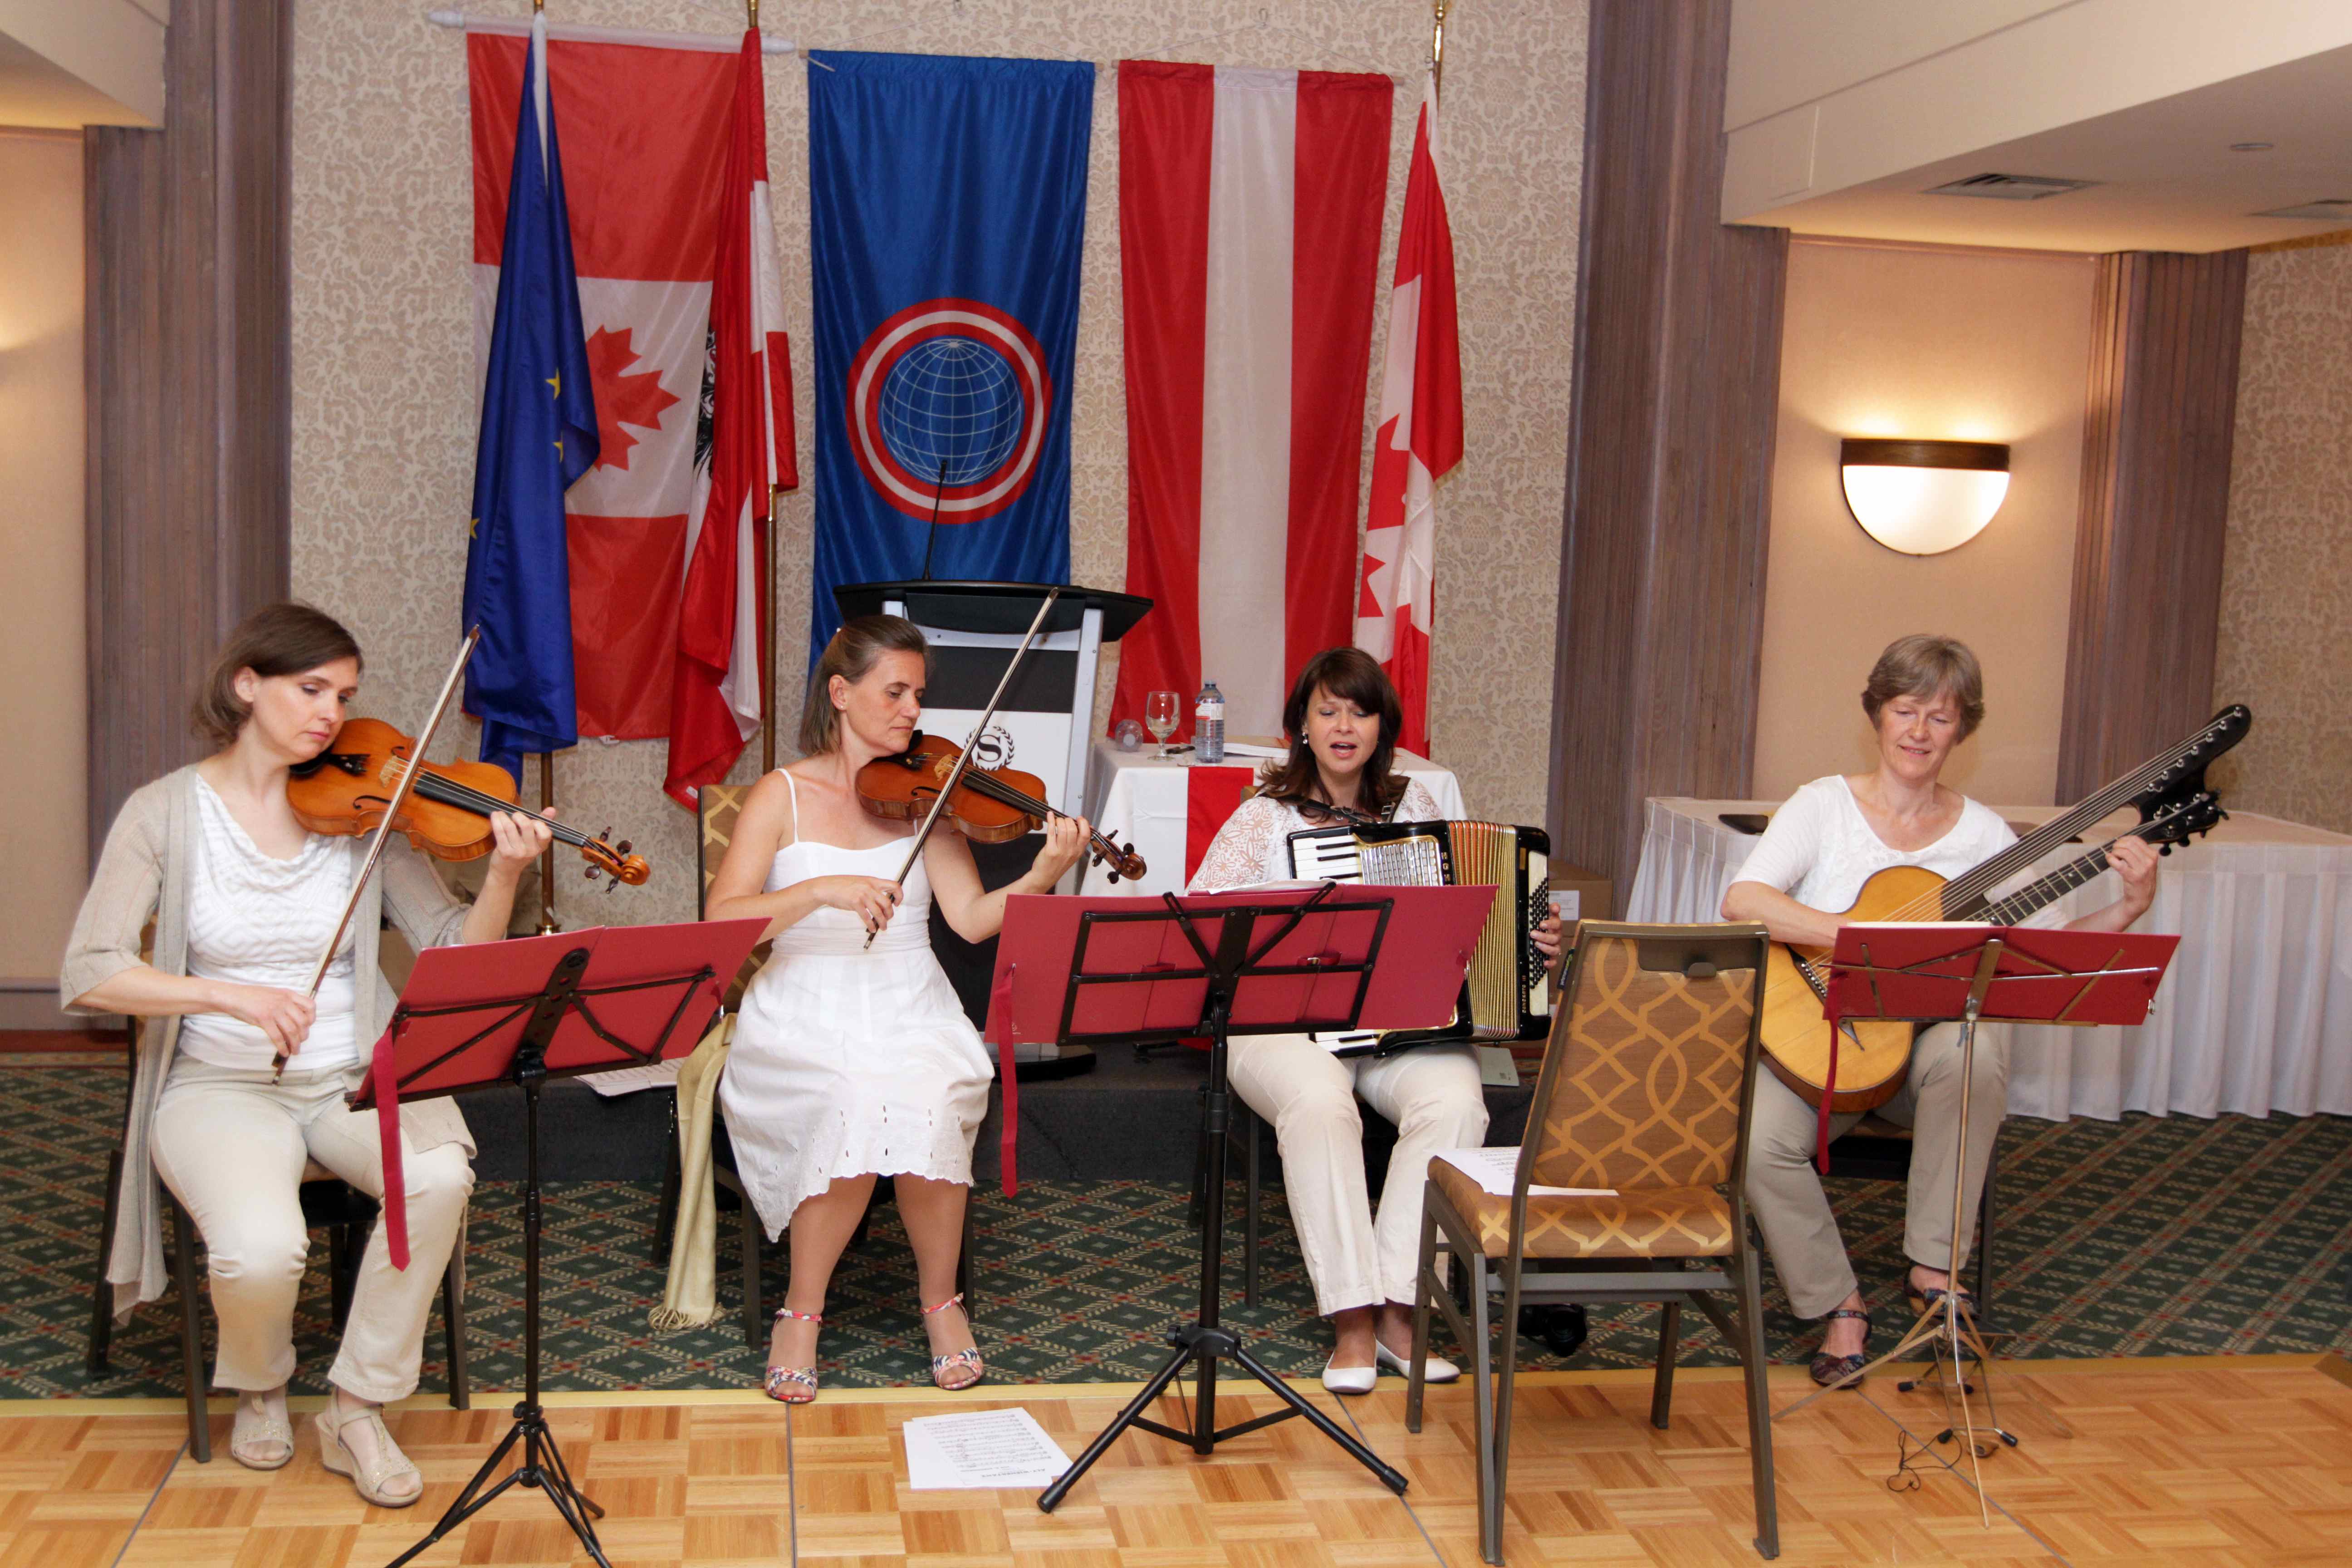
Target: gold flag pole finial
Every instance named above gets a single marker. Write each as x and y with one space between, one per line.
1437 48
751 13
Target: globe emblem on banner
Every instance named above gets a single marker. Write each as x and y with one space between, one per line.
950 410
952 383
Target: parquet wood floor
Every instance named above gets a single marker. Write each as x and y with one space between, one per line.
2218 1462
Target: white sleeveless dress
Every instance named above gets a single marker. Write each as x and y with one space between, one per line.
850 1059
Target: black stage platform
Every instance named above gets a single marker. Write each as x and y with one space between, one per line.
1127 1119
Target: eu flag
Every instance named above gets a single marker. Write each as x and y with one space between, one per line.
539 434
946 212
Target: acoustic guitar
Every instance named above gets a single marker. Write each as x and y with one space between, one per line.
1873 1058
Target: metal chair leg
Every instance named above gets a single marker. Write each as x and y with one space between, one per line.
1661 1391
1491 1525
673 1179
192 1345
452 1329
755 1306
101 1294
1253 1196
1760 1403
1482 1410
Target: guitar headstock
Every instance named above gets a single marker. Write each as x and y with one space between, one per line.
2178 821
2187 773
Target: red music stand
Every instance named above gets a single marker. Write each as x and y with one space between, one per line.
1955 973
518 1012
1272 961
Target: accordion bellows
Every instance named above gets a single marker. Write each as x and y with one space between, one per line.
1507 995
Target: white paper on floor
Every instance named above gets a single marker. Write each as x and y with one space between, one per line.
985 1448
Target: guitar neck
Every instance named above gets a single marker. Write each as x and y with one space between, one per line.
1972 885
2048 891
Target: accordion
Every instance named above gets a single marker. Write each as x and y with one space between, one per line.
1507 994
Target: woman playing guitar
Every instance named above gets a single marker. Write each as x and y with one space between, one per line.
1926 695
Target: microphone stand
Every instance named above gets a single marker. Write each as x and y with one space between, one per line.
933 538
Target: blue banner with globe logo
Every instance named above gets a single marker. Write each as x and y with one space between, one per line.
947 205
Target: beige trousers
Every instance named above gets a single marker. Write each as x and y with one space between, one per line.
231 1145
1784 1191
1434 1097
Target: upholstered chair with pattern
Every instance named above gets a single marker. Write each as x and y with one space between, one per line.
1641 1103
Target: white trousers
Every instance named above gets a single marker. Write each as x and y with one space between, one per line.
1784 1189
231 1145
1434 1097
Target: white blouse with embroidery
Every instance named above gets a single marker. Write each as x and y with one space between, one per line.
1253 846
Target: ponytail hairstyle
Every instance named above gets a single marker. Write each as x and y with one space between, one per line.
285 639
854 651
1351 675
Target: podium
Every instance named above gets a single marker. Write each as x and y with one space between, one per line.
1042 726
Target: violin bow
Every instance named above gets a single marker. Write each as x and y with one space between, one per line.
947 787
383 829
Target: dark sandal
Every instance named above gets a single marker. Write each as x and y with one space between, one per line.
956 1360
1830 1371
792 1385
1921 1299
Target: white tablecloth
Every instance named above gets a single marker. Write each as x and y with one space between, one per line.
1135 798
2255 1016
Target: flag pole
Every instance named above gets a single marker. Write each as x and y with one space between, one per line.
1436 48
767 562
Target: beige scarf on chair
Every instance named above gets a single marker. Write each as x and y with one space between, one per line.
690 1299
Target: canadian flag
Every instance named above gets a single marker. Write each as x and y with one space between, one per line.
1419 440
665 174
716 703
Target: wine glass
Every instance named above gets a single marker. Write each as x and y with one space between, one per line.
1160 710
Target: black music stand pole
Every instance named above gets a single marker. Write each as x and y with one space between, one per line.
458 1039
1237 956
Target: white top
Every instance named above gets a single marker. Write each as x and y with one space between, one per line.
1819 849
253 919
1253 846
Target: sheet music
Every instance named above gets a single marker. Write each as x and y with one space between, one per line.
1496 1169
633 1080
981 1449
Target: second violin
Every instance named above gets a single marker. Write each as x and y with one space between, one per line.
987 806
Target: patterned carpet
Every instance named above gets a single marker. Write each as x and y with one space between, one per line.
2150 1236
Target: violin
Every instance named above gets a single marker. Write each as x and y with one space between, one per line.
343 790
986 806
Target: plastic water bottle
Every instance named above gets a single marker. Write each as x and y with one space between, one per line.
1209 725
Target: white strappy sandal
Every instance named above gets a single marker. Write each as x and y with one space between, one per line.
257 1424
373 1481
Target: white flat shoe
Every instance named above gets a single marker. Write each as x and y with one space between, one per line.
1437 1368
1349 1379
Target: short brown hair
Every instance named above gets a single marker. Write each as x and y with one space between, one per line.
1353 676
850 655
284 639
1924 664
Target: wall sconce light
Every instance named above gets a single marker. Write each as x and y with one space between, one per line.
1923 497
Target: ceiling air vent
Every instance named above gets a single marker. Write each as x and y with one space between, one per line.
2331 209
2008 187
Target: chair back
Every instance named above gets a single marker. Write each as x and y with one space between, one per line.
1651 1063
716 808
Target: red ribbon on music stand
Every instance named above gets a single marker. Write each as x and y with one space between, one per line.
1000 1005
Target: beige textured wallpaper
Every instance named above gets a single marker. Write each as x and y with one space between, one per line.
2286 576
385 413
